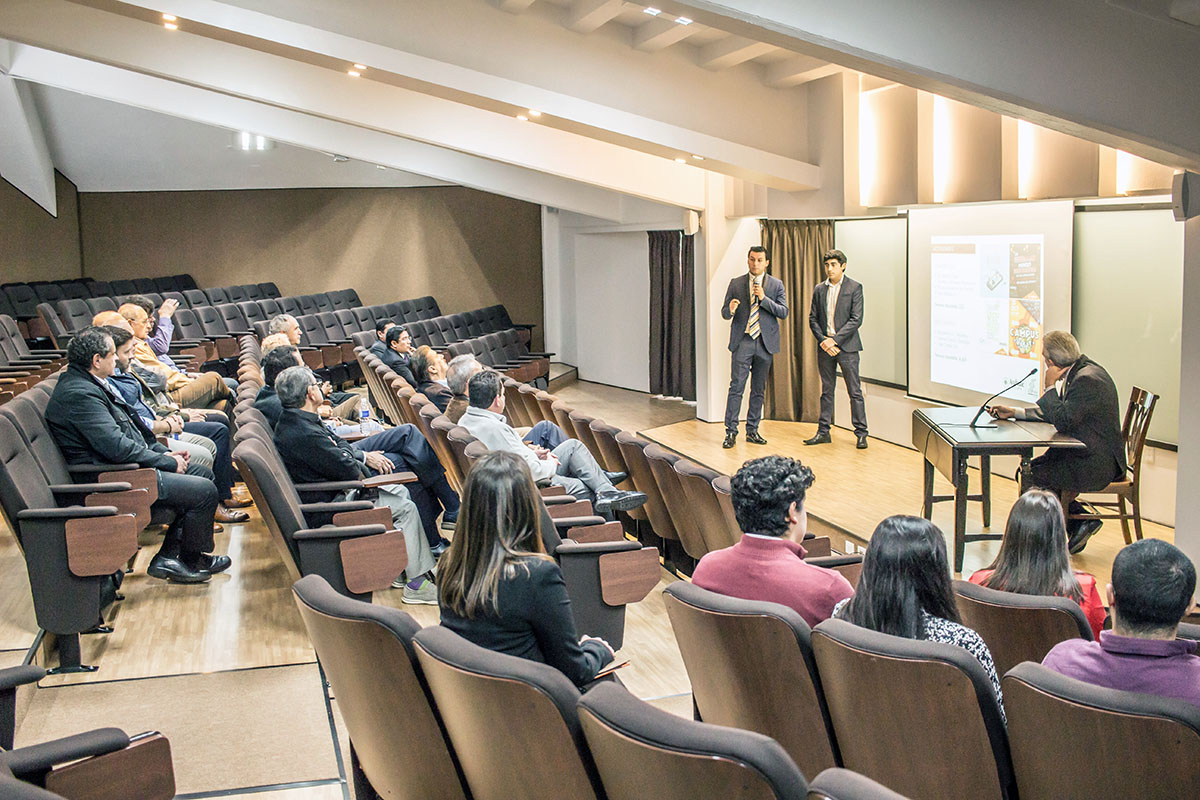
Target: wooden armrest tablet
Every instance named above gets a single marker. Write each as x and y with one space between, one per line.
371 563
627 577
389 479
580 508
608 532
133 501
144 770
368 516
552 491
101 545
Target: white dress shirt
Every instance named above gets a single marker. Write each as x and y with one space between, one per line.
831 298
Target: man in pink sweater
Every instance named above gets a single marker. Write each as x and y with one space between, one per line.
767 564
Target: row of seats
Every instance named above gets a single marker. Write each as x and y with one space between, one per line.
423 708
24 297
20 367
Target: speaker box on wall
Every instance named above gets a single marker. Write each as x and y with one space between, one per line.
1185 195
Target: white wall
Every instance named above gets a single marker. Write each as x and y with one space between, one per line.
612 288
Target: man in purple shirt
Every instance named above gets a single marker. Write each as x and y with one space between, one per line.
1152 586
767 564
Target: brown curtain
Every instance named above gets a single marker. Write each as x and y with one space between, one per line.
672 314
796 245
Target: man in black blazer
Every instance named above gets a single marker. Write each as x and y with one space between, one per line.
755 302
834 318
398 351
92 424
1080 401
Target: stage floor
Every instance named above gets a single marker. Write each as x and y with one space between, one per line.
855 489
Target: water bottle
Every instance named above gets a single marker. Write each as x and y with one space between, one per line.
364 412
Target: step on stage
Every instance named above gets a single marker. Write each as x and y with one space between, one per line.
855 489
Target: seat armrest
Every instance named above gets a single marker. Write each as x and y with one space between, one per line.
571 547
67 512
98 469
38 759
13 677
389 479
70 489
335 507
334 532
565 523
328 486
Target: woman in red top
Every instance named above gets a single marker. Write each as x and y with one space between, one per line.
1033 558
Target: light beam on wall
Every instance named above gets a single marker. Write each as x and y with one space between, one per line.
868 147
1025 136
942 144
1124 172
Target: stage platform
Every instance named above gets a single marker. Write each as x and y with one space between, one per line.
855 489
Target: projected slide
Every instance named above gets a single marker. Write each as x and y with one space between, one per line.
986 315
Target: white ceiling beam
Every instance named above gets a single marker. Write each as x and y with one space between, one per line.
588 15
660 33
311 132
514 6
797 71
731 51
24 157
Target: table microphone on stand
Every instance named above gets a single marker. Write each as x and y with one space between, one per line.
983 407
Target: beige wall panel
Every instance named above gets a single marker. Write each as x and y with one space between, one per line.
35 246
975 154
1063 166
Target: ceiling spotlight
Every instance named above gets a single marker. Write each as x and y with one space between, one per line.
683 20
681 161
523 118
652 11
340 159
171 26
360 67
250 141
380 166
353 73
698 158
533 112
169 18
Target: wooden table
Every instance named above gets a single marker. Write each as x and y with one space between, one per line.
945 439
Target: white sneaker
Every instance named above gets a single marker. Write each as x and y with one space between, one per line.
425 594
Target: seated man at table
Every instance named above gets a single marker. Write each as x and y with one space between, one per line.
569 465
312 454
1153 584
768 562
1080 401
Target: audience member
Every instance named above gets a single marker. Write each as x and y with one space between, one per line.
345 404
1153 584
271 341
207 443
459 372
1033 557
379 346
162 328
569 465
497 586
92 424
397 352
287 325
280 358
767 563
312 454
429 368
205 390
904 590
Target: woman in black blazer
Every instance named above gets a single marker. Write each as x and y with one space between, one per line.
496 585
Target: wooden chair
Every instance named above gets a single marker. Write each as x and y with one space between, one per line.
1127 490
751 666
637 746
919 717
1074 739
1019 627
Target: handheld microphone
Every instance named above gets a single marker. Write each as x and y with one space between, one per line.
983 407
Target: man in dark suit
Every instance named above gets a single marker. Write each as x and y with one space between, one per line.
834 318
398 351
379 346
1080 401
92 424
755 302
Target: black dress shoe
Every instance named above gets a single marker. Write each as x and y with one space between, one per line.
862 441
1085 531
172 569
730 440
619 501
439 548
819 438
212 564
755 438
615 477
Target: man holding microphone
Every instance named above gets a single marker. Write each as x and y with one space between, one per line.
755 302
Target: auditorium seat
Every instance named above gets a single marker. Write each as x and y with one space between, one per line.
48 292
398 747
290 305
123 286
271 307
633 453
166 283
144 285
269 289
23 300
696 482
721 486
1075 739
641 751
252 292
489 701
662 466
184 281
74 290
195 298
844 784
751 666
365 318
235 294
919 717
1019 627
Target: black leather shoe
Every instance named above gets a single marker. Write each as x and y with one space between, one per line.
619 501
1085 531
862 441
615 477
819 438
754 438
448 524
439 548
172 569
730 440
212 564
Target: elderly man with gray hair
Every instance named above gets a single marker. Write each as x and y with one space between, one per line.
1080 401
546 435
311 454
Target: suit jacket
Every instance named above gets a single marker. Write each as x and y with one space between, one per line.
377 349
1089 410
847 316
399 365
267 402
437 394
312 453
772 308
91 426
457 406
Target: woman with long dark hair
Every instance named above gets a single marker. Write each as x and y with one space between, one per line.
905 590
1033 557
496 585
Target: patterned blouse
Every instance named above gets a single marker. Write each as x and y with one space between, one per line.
944 631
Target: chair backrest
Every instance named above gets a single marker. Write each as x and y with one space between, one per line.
633 452
195 297
662 466
238 294
235 320
845 784
1062 732
721 485
98 304
751 666
459 437
495 706
274 495
441 426
1136 426
28 417
367 655
216 295
211 321
1019 627
701 497
269 289
74 314
637 746
22 483
919 717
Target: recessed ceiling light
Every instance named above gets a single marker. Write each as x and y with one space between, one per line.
652 11
523 118
250 141
353 73
681 161
169 18
360 67
683 20
171 26
698 158
380 166
533 112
